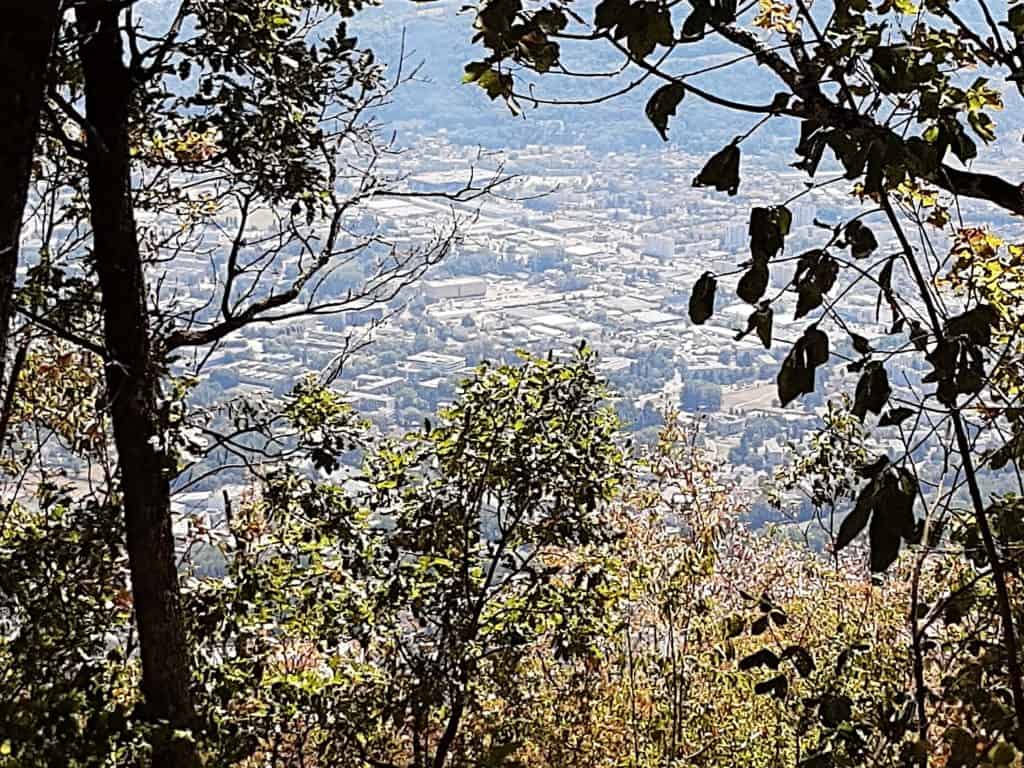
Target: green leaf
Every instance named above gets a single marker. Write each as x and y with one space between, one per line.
983 125
702 299
495 83
662 105
474 70
722 171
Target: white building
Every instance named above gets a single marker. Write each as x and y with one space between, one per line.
659 246
455 288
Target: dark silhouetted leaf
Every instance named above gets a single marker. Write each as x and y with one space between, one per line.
764 326
958 606
895 416
768 229
722 171
885 544
808 298
860 344
874 469
976 324
815 275
761 658
810 147
796 377
893 518
818 760
702 300
754 283
835 710
801 658
760 320
760 626
498 755
860 238
724 11
693 26
885 277
734 626
855 521
872 392
919 336
963 747
662 105
777 686
609 13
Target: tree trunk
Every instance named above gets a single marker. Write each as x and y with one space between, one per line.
132 377
26 42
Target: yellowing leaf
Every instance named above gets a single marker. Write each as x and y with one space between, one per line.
775 16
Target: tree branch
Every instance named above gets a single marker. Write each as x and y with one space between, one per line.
63 333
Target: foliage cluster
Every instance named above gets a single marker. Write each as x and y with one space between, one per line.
511 585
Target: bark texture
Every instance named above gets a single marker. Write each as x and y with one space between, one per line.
133 380
26 43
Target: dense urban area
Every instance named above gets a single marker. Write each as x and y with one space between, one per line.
580 245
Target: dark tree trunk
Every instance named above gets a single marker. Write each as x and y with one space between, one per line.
26 41
132 375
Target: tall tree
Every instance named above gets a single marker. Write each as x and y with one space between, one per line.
237 135
132 376
26 44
